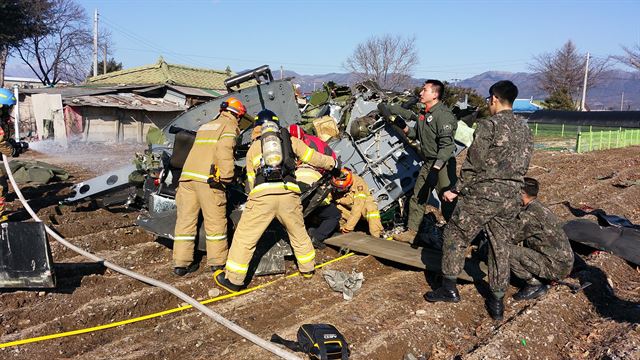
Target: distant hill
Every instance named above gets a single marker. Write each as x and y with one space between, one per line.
607 95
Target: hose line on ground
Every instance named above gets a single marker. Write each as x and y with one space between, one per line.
182 296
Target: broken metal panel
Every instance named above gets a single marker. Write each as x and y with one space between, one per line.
277 96
99 184
25 257
384 161
403 253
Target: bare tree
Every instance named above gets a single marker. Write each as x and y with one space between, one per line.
563 70
631 57
387 59
19 21
64 52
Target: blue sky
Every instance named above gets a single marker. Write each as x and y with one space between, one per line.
455 39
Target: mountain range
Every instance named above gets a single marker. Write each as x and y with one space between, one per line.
605 95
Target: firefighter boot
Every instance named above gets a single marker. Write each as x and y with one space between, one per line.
534 289
495 307
182 271
407 236
224 283
448 292
307 275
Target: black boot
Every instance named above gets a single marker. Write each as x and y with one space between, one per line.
495 306
318 244
448 292
222 281
182 270
531 291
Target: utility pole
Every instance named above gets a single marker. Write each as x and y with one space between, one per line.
104 59
16 113
622 101
95 43
584 84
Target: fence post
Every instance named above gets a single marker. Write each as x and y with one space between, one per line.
578 150
609 146
562 133
617 138
601 136
590 128
535 133
590 139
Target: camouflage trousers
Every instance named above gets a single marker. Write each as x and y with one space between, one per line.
421 192
491 208
527 263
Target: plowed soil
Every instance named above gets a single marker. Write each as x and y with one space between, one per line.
387 318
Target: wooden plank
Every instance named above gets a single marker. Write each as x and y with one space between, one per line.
403 253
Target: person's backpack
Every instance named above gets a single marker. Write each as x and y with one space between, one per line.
319 341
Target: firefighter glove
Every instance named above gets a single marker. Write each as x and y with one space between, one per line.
335 172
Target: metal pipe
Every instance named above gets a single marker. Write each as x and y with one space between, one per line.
182 296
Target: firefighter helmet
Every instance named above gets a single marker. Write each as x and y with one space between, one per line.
266 115
343 181
234 105
7 98
296 131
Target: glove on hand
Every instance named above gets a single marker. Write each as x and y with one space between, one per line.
400 122
336 168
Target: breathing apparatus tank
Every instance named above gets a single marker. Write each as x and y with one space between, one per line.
271 151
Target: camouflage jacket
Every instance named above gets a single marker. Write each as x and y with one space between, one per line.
436 130
540 229
500 153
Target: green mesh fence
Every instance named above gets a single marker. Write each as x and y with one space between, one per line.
582 138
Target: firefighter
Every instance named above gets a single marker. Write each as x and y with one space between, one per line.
274 193
325 218
208 169
351 194
8 146
311 141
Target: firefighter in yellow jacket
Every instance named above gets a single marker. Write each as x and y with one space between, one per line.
8 146
274 193
351 194
209 166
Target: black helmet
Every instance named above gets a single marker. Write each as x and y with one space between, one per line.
266 115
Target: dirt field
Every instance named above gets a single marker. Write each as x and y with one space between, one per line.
387 319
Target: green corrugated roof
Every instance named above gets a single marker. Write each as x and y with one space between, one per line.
163 73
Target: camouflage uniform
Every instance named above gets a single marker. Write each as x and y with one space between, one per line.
489 195
436 131
546 252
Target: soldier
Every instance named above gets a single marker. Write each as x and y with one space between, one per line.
271 162
489 190
208 168
435 129
8 146
546 253
351 194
